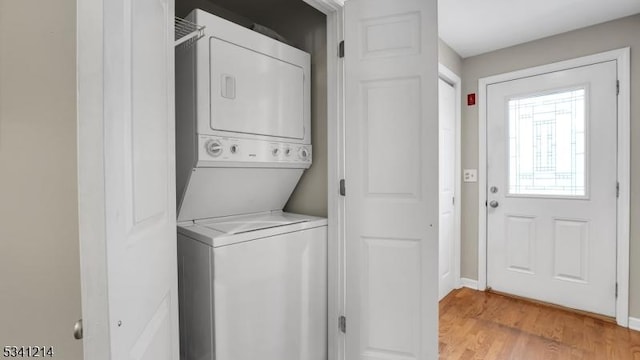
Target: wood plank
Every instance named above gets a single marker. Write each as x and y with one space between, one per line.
582 312
490 326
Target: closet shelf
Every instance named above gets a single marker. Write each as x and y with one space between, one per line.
186 32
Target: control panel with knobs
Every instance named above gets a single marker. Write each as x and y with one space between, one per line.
227 150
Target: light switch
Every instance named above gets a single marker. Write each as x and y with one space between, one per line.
470 175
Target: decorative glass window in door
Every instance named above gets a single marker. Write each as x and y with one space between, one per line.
547 144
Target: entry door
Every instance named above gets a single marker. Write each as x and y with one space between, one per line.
391 162
447 173
552 187
127 181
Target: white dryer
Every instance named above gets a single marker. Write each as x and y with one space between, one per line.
243 133
252 279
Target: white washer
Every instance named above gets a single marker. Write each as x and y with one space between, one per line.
253 287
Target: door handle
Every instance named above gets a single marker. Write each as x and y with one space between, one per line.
77 330
228 86
494 204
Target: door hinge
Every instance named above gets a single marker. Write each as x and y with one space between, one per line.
617 87
342 324
341 49
453 200
616 290
617 189
343 189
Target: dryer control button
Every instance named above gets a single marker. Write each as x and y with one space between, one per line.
214 148
304 153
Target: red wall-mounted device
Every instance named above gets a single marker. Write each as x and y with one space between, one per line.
471 99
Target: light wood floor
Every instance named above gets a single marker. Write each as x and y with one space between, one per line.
480 325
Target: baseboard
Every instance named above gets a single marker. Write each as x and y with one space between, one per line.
634 324
469 283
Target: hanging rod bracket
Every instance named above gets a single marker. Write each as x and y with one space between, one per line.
187 32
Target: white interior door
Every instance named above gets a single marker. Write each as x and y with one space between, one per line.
391 137
447 173
551 165
127 180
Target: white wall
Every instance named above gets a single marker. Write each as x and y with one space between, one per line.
39 256
449 58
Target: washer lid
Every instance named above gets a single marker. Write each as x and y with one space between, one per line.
232 225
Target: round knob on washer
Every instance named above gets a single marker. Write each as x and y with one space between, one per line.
304 153
214 148
234 148
275 151
287 151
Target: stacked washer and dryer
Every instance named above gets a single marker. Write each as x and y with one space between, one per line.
252 278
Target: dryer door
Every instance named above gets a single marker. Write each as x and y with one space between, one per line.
253 93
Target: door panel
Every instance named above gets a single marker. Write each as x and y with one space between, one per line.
571 242
148 90
552 150
139 179
391 293
521 232
387 141
447 162
391 208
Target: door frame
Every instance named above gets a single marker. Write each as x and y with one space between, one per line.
90 57
336 279
452 79
622 56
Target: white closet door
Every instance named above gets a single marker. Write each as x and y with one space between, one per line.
391 72
447 173
136 141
